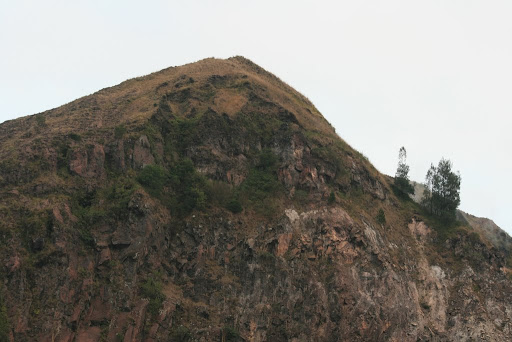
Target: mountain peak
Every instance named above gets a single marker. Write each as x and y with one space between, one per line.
212 201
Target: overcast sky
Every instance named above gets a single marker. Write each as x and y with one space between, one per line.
433 76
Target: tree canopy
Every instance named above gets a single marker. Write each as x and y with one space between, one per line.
402 182
442 190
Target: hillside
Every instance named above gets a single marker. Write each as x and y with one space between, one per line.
487 230
213 202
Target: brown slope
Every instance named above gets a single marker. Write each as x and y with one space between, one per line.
133 102
491 231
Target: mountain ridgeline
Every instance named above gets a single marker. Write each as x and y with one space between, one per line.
213 202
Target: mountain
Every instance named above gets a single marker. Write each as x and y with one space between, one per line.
213 202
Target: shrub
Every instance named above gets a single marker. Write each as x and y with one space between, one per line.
188 187
222 194
40 120
85 208
234 206
119 195
381 217
182 133
267 160
474 238
301 196
153 178
86 237
230 334
63 154
152 290
260 183
508 262
219 192
119 131
267 257
74 136
332 198
181 334
262 179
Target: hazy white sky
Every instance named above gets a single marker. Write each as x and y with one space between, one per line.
434 76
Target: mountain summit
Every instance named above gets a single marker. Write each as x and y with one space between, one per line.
213 202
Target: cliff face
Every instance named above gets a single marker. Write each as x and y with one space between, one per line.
212 202
485 228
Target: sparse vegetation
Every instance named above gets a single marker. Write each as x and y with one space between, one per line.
96 206
381 217
181 334
153 178
230 334
75 137
185 189
332 198
445 229
222 194
118 195
119 131
234 206
188 188
262 183
266 257
262 176
301 196
182 132
152 290
41 120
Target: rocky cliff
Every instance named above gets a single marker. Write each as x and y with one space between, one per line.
212 202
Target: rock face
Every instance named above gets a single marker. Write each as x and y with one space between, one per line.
214 203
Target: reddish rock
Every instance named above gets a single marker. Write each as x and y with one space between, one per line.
22 324
152 332
88 163
13 264
120 155
211 252
129 335
138 315
76 313
78 162
69 214
65 336
99 311
142 153
283 243
67 294
105 256
57 215
90 334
